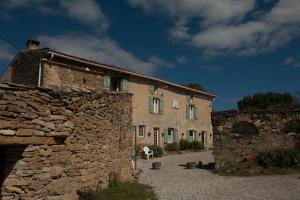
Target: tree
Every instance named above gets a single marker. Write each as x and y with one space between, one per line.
266 101
195 86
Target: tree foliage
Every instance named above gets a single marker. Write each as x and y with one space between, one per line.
195 86
266 101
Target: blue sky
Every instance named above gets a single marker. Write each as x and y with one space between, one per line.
232 47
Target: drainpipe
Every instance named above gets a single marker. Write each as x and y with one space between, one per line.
40 68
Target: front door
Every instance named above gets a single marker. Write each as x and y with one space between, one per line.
203 138
170 136
156 136
2 166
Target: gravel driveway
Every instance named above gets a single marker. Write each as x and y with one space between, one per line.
174 182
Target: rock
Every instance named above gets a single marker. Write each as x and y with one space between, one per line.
24 132
69 124
17 182
28 115
49 125
57 117
14 189
7 114
5 124
60 186
56 172
7 132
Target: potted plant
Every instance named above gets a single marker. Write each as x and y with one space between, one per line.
156 165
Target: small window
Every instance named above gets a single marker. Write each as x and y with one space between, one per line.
156 105
189 98
115 84
191 111
153 88
141 131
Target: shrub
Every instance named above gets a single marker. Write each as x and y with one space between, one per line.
157 150
172 147
244 128
197 145
119 190
292 126
186 145
281 158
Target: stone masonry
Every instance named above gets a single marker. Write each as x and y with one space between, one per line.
230 148
54 143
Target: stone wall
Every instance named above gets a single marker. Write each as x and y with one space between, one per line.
230 148
55 143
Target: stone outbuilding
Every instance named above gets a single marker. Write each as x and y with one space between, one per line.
54 143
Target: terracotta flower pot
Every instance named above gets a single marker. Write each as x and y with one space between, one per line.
156 165
191 165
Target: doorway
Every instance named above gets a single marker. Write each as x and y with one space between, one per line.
2 165
156 136
203 138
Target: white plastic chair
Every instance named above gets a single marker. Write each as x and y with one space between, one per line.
148 152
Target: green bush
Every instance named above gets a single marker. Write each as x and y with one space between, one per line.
186 145
172 147
119 191
197 145
281 158
292 126
244 128
157 150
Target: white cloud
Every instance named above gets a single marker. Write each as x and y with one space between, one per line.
224 27
6 52
181 59
103 50
292 62
88 12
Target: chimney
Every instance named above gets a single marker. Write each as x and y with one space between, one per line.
32 44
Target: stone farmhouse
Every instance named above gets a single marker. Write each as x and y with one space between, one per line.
163 112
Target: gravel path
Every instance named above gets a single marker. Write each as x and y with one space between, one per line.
173 182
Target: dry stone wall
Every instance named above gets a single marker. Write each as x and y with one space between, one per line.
230 148
54 143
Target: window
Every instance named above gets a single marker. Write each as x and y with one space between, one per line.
142 131
191 135
153 88
191 111
189 98
155 105
115 83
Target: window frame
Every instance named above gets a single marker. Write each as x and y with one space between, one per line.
143 131
191 111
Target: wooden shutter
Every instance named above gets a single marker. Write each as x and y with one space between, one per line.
124 85
195 112
188 98
161 105
187 111
166 136
176 136
107 82
187 135
151 88
151 104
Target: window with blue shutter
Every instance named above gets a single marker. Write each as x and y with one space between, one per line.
107 82
151 104
124 85
176 139
166 136
161 106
